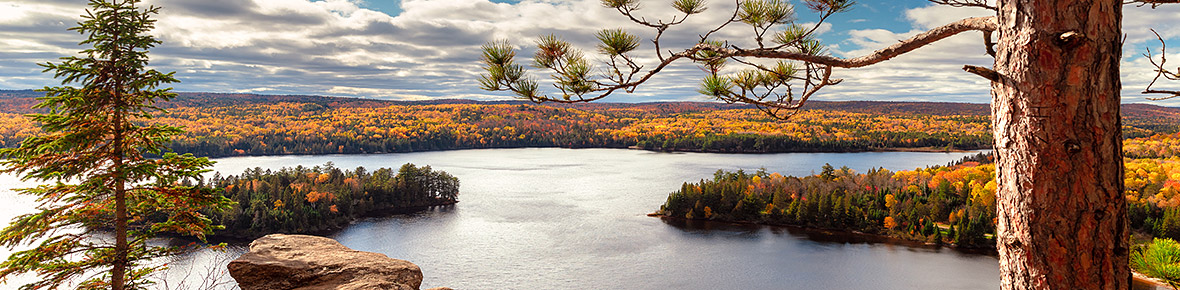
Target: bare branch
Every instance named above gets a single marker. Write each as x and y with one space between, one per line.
966 3
984 72
1160 71
1153 3
970 24
732 19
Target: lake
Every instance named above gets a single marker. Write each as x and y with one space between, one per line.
548 218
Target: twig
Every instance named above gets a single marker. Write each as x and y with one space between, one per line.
966 3
1153 3
1160 71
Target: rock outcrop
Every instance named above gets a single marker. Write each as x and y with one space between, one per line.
282 262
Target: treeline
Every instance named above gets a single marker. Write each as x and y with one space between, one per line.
220 125
952 204
237 125
941 205
292 128
746 143
320 198
245 124
313 129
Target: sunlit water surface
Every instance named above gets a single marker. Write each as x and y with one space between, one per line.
576 219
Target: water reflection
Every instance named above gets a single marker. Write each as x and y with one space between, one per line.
819 236
575 219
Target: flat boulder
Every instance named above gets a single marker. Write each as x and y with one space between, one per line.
288 262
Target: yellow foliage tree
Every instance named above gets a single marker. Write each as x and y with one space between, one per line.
889 223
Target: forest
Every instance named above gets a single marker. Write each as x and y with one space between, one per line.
941 204
952 204
220 125
322 198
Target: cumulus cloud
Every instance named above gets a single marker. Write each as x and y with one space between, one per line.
431 49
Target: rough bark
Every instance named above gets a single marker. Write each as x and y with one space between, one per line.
120 263
1061 221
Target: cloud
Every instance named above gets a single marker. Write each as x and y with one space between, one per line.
933 15
431 49
933 73
822 29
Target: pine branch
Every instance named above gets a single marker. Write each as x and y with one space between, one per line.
764 87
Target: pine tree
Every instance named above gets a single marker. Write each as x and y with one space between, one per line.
1055 76
93 155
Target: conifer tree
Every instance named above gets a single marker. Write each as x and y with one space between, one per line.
104 198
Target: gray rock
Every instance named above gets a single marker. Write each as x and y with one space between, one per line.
287 262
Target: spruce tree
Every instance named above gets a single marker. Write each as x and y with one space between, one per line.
103 197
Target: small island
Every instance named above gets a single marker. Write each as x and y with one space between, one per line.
323 198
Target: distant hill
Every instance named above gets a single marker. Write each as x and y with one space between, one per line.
19 101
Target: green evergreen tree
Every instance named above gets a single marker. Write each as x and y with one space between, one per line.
828 173
92 155
937 236
951 234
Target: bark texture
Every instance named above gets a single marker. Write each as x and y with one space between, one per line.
1061 221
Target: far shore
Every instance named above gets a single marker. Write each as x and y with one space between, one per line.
882 149
886 149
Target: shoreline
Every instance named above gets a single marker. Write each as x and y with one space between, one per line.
836 231
1143 278
377 213
1135 276
883 149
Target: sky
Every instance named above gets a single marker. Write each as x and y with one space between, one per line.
429 49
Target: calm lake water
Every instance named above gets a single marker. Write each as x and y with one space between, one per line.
576 219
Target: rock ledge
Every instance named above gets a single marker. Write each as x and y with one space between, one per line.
288 262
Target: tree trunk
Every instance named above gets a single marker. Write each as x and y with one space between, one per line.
119 265
1061 220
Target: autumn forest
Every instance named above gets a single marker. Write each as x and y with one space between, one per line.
220 125
942 205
